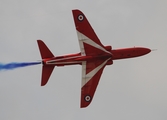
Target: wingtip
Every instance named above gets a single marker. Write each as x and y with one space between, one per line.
85 100
39 40
75 10
85 105
43 84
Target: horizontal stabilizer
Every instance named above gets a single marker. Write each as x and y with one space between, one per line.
46 72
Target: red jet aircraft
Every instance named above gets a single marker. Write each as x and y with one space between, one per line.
93 58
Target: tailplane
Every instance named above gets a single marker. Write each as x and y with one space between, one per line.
46 70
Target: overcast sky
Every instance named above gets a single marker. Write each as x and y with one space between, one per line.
132 89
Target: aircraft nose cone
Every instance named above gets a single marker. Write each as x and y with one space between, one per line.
145 51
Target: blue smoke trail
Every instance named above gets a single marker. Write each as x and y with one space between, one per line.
13 65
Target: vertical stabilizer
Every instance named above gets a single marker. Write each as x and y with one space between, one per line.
44 50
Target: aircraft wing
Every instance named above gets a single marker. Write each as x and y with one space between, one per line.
90 45
91 73
88 40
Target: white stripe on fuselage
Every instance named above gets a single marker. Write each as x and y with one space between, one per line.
61 59
64 63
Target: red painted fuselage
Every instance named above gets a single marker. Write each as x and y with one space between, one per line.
77 58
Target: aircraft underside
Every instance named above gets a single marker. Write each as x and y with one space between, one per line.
93 57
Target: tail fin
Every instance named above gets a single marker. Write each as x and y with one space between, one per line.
44 50
46 70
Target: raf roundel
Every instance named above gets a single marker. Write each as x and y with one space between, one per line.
87 98
80 17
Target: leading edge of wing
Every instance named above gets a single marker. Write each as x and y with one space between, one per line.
91 73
